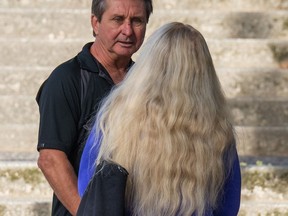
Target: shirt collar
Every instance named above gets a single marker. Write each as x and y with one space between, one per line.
88 62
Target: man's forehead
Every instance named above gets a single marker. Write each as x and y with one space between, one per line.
124 6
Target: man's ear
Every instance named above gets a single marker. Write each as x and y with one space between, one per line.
94 24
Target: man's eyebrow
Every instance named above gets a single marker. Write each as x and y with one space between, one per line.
117 15
122 15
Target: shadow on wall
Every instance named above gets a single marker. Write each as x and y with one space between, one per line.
280 53
2 209
257 25
262 26
41 209
250 25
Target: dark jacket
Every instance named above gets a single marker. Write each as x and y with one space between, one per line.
105 194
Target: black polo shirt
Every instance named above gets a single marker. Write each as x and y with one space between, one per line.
64 112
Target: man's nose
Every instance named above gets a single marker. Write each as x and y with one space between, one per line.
127 28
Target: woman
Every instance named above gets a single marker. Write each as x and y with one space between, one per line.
168 124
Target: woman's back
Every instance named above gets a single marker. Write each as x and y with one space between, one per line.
168 125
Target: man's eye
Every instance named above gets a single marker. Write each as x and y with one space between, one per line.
118 19
137 21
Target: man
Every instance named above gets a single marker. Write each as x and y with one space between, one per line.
74 89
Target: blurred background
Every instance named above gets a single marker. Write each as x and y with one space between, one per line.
248 40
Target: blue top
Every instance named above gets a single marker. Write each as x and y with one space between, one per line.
227 206
87 164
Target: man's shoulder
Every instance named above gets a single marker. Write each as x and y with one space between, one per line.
67 68
73 66
63 77
82 61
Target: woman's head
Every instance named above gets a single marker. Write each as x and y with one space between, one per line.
176 67
168 125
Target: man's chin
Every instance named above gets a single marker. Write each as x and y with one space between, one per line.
125 52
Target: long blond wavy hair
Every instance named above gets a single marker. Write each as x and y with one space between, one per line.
168 124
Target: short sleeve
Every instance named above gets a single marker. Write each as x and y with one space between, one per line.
59 107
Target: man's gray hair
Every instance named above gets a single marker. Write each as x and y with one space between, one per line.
99 7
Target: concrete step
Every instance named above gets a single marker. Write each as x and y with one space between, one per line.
251 208
25 207
230 5
243 83
259 112
220 24
42 208
23 189
265 183
23 179
249 53
52 24
228 53
20 157
18 110
44 4
254 82
22 186
264 189
250 163
246 111
252 141
46 24
262 141
38 53
19 81
15 138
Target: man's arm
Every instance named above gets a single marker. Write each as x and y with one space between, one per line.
61 176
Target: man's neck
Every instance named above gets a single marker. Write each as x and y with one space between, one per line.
115 66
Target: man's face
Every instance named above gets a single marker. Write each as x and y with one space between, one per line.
122 27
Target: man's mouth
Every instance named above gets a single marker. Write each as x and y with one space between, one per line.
126 43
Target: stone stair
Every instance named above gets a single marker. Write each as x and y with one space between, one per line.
248 40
